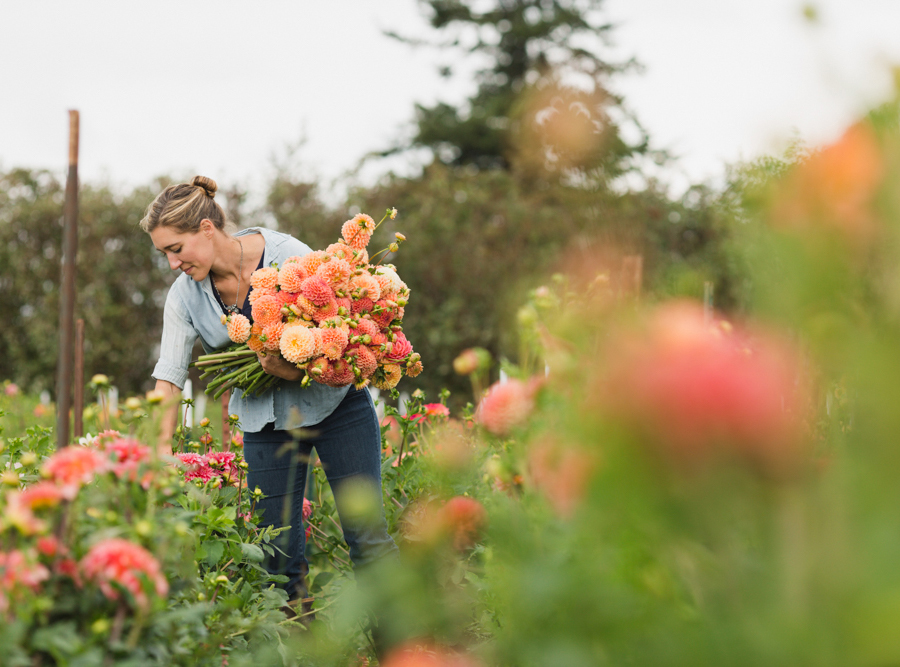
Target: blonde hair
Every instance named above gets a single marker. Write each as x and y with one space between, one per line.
184 205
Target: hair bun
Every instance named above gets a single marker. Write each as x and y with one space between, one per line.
209 185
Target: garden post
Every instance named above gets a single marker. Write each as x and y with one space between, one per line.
226 429
67 290
79 378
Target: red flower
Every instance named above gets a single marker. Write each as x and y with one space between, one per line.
413 654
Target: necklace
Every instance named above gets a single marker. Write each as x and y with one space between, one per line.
232 309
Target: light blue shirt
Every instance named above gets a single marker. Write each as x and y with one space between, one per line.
192 310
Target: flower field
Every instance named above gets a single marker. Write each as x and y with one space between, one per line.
653 482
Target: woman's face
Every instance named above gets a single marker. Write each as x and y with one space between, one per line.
191 252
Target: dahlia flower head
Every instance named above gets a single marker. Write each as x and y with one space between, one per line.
74 466
696 389
507 405
116 564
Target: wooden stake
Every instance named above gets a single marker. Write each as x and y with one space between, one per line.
67 290
79 378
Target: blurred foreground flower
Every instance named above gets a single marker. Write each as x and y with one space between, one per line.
835 187
507 405
11 389
419 655
561 473
118 562
74 466
464 519
695 390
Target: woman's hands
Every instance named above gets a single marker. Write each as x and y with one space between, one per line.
275 364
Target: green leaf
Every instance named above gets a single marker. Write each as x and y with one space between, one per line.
252 552
214 551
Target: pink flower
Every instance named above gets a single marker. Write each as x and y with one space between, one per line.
265 310
400 349
464 518
317 290
74 466
413 654
18 569
334 340
11 389
436 410
127 457
119 563
237 440
506 406
362 305
307 508
41 495
358 230
693 390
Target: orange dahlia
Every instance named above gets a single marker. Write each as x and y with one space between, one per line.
335 272
311 261
266 310
272 332
264 278
365 285
291 276
298 344
317 290
334 340
238 328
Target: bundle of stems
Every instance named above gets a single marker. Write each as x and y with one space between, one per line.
236 368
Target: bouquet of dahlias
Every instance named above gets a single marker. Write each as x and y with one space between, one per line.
335 314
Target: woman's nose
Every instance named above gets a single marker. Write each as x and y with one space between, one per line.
174 262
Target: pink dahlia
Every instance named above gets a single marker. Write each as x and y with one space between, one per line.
365 327
325 312
127 456
41 495
362 305
73 467
342 373
320 370
264 278
401 348
334 340
436 410
506 406
335 272
291 277
362 357
11 389
306 306
345 303
317 290
298 344
384 313
117 563
307 508
365 285
312 261
18 569
464 518
238 328
286 298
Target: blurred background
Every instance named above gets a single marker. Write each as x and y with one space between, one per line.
459 113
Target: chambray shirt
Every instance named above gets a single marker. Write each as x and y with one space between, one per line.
192 310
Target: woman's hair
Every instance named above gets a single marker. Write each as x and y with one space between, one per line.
184 205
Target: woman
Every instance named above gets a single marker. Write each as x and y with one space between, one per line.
189 228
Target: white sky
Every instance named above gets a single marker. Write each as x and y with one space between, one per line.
194 86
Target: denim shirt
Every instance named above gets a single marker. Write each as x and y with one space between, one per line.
192 310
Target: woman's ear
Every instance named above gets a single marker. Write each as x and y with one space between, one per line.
206 226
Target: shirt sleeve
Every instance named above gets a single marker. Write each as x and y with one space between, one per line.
177 343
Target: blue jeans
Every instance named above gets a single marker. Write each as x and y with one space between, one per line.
348 443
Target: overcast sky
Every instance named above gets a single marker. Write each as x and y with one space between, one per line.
182 87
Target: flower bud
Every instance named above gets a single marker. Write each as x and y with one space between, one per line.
28 459
221 579
9 478
394 247
204 422
393 213
223 318
143 528
400 236
133 403
155 397
100 380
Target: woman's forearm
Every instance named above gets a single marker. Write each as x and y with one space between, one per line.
171 394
